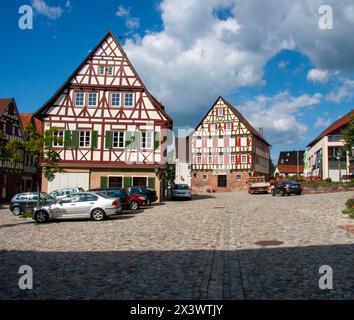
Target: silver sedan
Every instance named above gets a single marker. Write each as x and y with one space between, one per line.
181 191
79 205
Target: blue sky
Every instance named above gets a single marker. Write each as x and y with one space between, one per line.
273 63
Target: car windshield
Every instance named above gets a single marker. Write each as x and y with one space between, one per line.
181 187
47 196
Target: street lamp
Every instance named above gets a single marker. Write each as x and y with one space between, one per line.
339 156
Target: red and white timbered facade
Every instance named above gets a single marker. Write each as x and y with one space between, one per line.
226 150
108 122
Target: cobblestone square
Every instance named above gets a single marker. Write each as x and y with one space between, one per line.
200 249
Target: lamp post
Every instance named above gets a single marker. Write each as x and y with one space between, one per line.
339 156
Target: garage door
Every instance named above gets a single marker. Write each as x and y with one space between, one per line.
69 180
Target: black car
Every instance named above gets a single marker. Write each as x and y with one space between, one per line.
147 192
27 201
287 188
120 193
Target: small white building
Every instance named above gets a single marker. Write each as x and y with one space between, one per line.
183 165
326 156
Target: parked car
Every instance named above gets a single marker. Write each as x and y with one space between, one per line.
79 205
27 201
287 188
62 193
129 202
181 191
150 194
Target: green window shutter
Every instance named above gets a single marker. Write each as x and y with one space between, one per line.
67 139
151 183
74 139
94 139
157 141
127 182
128 139
104 182
108 144
136 142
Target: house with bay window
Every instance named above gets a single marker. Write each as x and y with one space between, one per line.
112 130
226 150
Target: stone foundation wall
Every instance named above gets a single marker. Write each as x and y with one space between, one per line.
316 188
235 181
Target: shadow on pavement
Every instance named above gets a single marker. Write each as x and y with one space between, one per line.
272 273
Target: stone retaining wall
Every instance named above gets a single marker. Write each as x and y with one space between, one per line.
317 188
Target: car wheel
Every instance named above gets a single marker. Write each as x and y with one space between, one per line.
134 206
282 193
273 194
41 216
98 214
299 193
17 211
148 202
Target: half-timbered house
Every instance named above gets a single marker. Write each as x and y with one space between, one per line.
10 128
112 130
227 150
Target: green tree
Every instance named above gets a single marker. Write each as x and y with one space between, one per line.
348 134
39 146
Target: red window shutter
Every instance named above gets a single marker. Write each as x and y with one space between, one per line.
209 127
225 126
238 158
248 141
238 141
248 159
232 126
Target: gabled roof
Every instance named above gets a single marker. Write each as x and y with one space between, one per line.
239 116
291 158
4 103
26 119
48 104
340 123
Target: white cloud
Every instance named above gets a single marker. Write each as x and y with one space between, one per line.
68 6
282 65
316 75
130 21
277 114
343 92
44 9
198 56
320 122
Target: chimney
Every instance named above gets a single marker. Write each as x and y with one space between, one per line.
261 131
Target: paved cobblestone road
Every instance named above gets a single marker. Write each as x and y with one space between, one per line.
203 249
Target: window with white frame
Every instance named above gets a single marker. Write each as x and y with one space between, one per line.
210 143
244 142
13 131
118 139
220 112
221 143
210 159
101 70
205 177
232 159
128 99
58 138
199 143
244 158
92 99
115 99
146 140
199 160
79 99
221 159
228 126
84 139
110 71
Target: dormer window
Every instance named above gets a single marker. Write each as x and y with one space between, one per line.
103 69
220 112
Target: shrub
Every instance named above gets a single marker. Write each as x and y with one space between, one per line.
350 203
349 212
27 215
328 180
